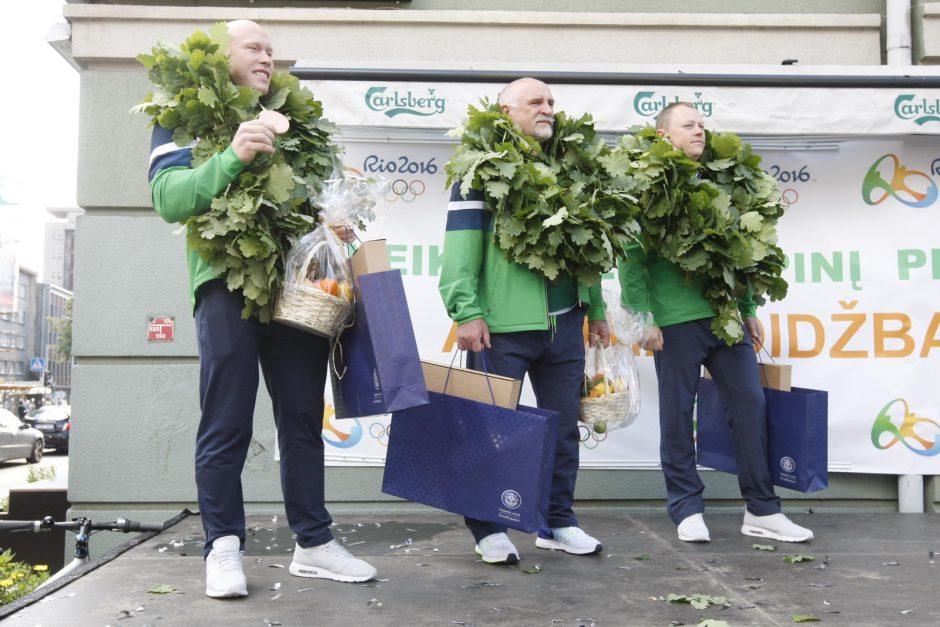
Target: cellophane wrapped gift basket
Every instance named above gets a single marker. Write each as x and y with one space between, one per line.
610 394
317 292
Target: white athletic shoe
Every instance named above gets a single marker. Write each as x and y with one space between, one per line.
330 561
570 540
497 548
776 526
224 574
693 529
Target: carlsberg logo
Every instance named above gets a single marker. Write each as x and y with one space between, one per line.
920 110
407 102
649 103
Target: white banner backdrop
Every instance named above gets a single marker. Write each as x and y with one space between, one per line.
772 111
862 318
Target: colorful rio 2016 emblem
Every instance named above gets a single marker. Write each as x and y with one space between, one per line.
888 177
340 439
907 434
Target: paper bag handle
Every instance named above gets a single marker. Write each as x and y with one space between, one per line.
486 374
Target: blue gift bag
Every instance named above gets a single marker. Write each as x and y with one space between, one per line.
797 436
374 365
475 459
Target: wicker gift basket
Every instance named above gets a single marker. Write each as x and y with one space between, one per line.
610 394
317 294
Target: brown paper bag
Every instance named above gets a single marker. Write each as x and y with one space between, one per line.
371 256
773 376
472 384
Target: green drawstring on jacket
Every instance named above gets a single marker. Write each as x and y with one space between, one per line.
553 326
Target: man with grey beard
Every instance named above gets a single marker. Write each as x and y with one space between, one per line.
528 325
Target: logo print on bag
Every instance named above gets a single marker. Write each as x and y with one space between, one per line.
511 499
787 464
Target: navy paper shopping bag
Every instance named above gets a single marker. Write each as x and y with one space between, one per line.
797 436
374 366
475 459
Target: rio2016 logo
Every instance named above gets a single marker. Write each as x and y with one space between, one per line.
886 424
887 177
334 436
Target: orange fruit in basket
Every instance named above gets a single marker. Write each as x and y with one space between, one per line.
330 286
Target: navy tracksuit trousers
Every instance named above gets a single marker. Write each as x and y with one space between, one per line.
294 365
554 361
686 347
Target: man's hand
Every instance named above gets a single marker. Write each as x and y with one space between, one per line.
473 335
653 340
755 330
252 137
344 233
598 333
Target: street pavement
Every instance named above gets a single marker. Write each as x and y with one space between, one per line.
862 569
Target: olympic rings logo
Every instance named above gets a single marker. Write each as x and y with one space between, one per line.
403 190
789 196
590 438
380 432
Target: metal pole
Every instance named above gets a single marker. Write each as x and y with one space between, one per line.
911 494
898 32
815 81
898 53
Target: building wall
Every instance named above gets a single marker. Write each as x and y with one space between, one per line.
14 364
53 305
926 32
54 253
136 402
59 259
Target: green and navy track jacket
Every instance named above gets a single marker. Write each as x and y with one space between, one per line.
180 191
649 283
477 281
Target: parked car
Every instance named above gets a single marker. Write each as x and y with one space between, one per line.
18 439
55 423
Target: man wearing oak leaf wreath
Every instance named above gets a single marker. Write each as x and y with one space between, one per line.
230 348
682 341
528 325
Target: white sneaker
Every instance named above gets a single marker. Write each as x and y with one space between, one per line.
693 529
496 548
224 574
330 561
776 526
570 540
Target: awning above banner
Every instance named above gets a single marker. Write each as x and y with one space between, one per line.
617 108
